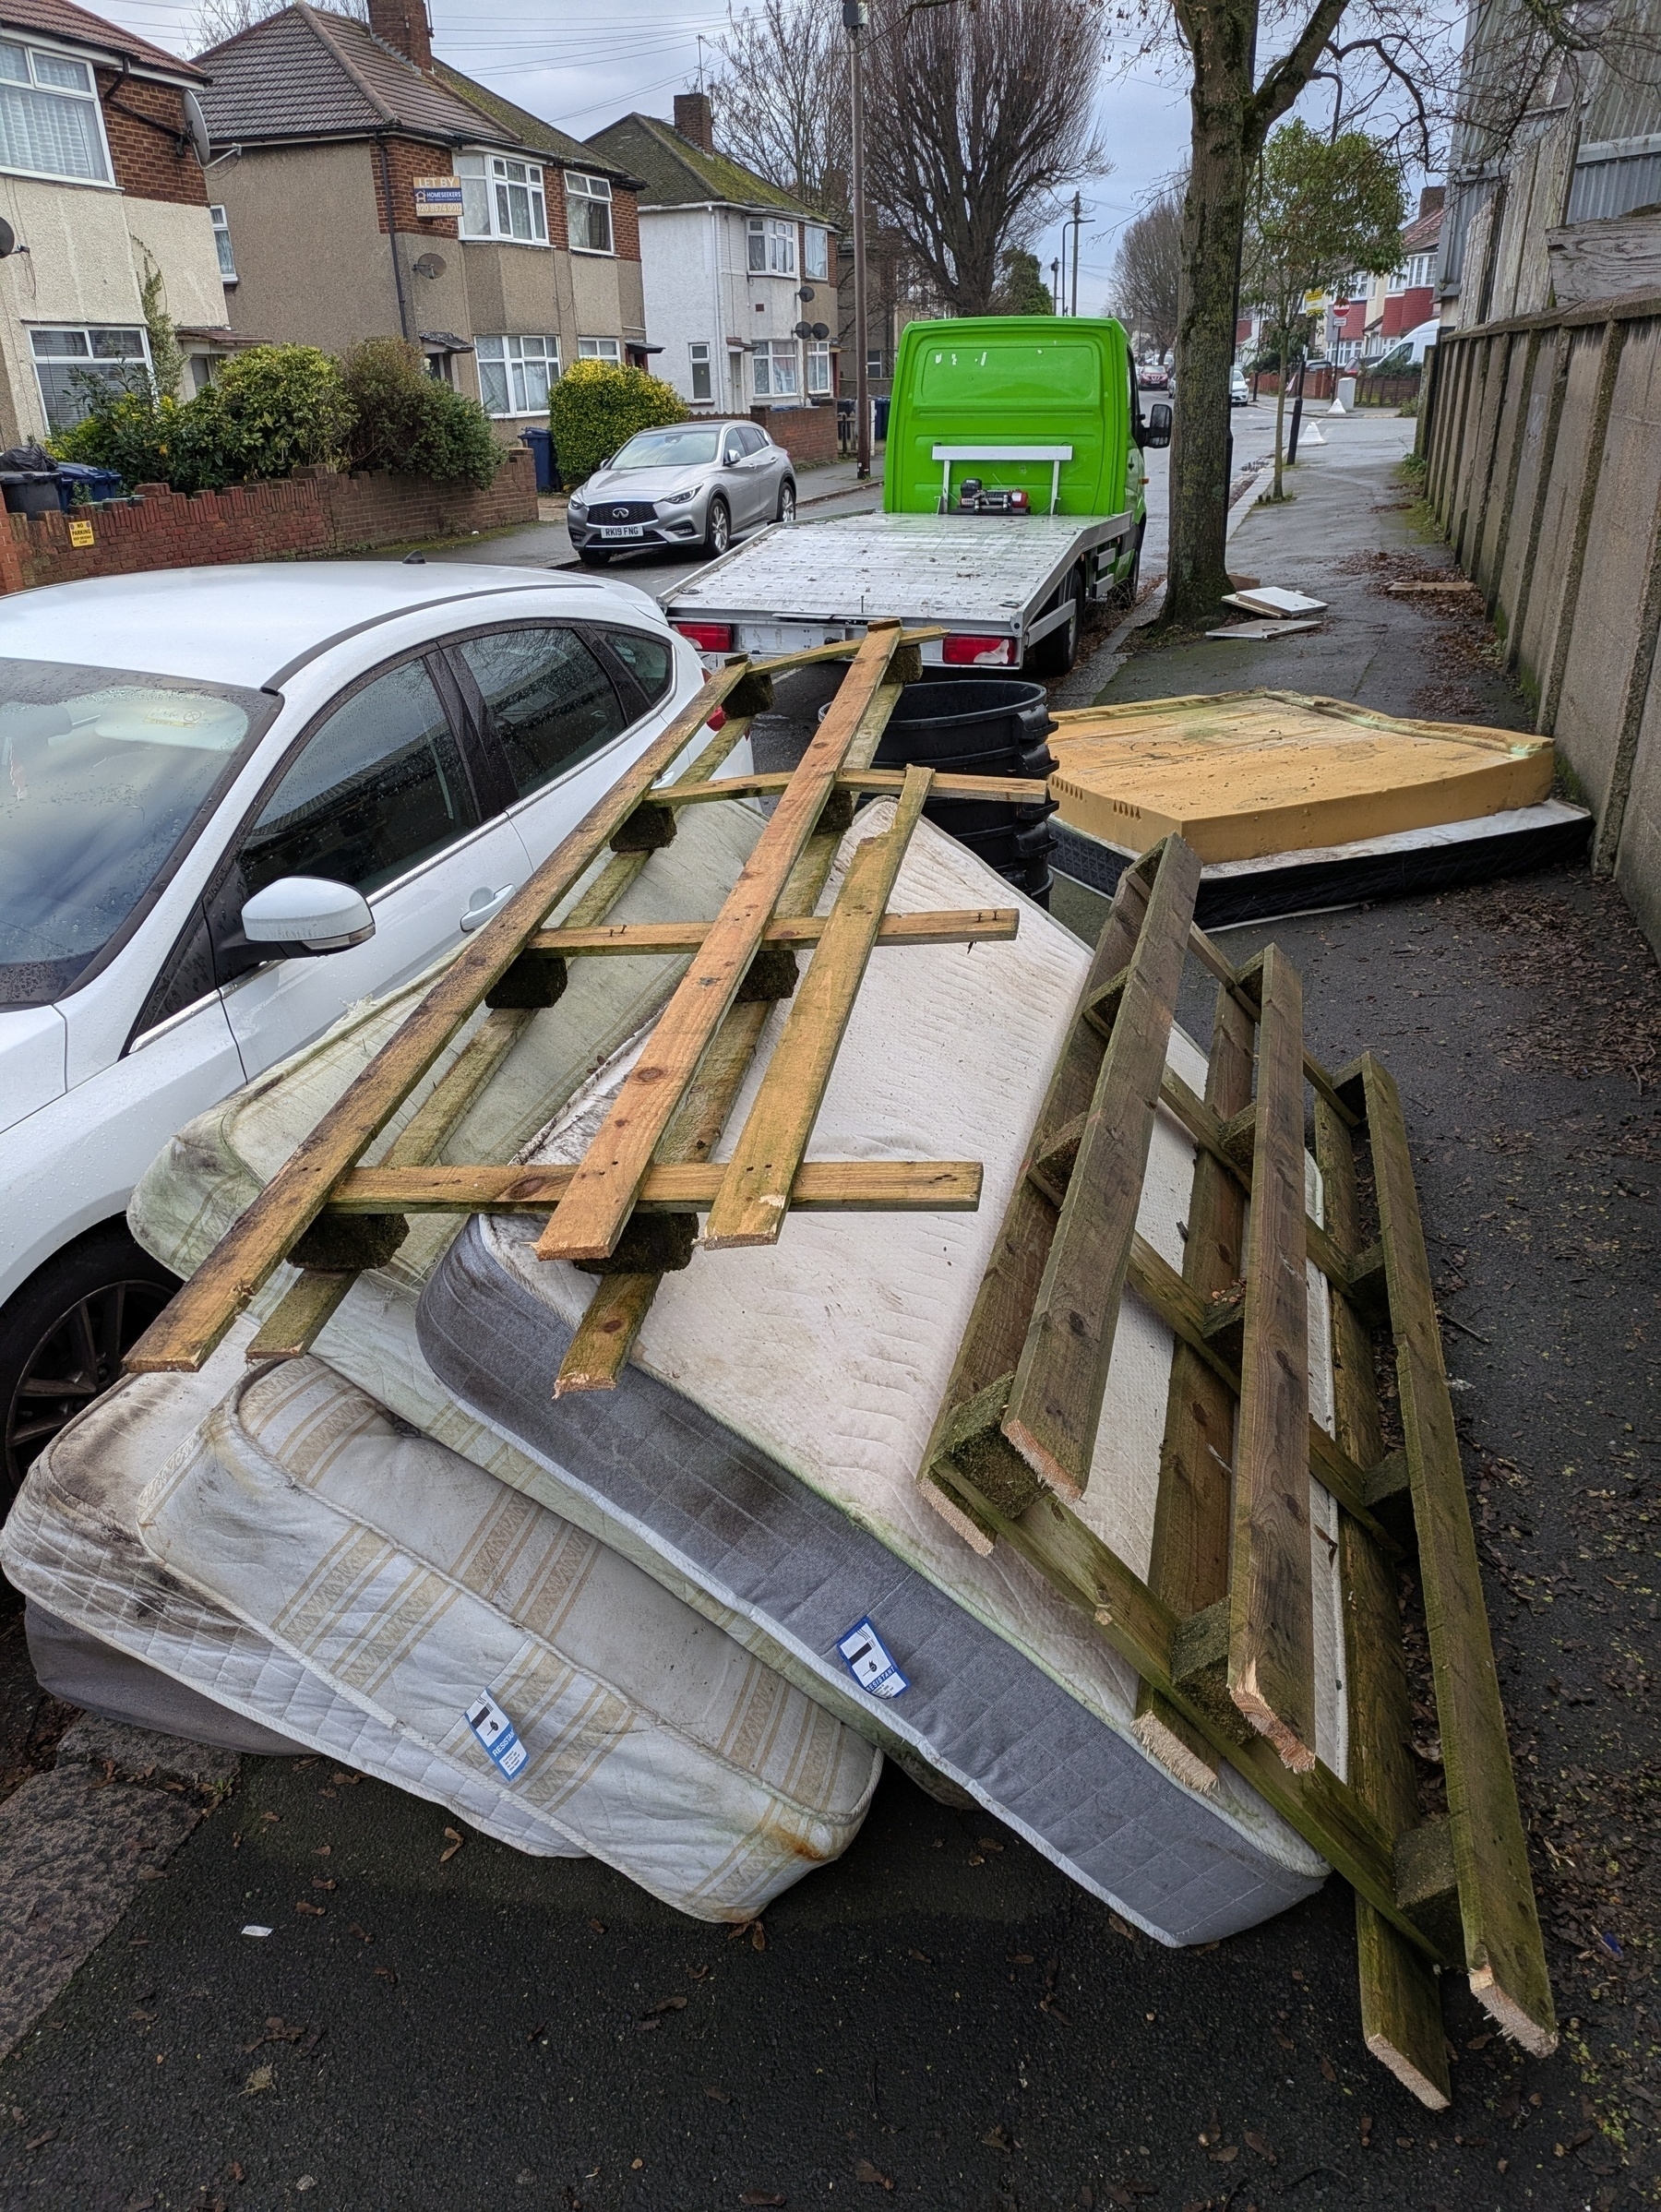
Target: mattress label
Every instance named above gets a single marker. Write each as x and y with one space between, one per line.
497 1733
866 1659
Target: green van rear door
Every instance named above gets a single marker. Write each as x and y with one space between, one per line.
1011 380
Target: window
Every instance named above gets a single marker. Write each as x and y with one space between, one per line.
775 360
69 363
515 373
588 213
550 703
601 349
702 375
49 120
874 362
815 253
772 248
648 660
818 368
502 198
222 239
379 787
734 448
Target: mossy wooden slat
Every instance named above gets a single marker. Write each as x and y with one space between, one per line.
1401 1999
959 925
755 1191
297 1320
824 1186
186 1332
1272 1633
871 783
1189 1565
1003 1305
839 650
1326 1813
1062 1376
617 1310
590 1217
1504 1956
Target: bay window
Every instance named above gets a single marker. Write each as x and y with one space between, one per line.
502 198
773 247
50 123
775 362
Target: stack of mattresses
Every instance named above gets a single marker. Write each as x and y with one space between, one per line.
1293 802
760 1457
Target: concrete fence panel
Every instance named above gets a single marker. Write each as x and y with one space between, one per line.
1543 466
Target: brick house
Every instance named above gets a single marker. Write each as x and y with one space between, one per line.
732 266
1379 311
99 183
368 189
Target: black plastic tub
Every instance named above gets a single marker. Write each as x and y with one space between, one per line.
982 726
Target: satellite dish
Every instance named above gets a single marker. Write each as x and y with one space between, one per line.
9 239
807 293
804 329
195 126
821 330
430 265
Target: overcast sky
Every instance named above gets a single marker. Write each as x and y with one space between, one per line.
581 63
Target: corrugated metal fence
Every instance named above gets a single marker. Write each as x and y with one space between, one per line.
1542 443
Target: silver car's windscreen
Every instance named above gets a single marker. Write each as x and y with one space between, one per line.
685 446
105 775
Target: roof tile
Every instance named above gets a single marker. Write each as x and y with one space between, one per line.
78 26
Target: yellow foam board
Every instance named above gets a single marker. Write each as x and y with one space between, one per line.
1243 774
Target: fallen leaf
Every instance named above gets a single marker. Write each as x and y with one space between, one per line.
989 1843
274 1817
1021 1958
865 2172
452 1846
762 2196
347 1781
262 2077
151 1873
1121 1926
720 2096
758 1936
362 1934
41 2141
323 1851
698 1973
537 2033
999 2138
323 1881
1261 2145
1227 2156
143 2019
922 1958
598 1926
235 2172
1327 2071
664 2005
317 1912
386 1975
976 1859
1285 2042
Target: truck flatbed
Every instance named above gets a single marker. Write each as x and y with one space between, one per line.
998 578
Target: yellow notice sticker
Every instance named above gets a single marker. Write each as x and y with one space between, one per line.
81 534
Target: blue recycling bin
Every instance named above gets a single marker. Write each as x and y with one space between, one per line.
79 480
541 443
879 409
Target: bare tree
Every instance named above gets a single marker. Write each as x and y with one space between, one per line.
781 96
1147 269
976 112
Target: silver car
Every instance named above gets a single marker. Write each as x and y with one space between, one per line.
691 483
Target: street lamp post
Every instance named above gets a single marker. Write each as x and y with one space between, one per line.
854 19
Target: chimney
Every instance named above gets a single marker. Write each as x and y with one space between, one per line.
1432 199
403 24
694 119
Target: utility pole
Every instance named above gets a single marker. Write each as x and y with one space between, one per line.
854 19
1055 300
1078 221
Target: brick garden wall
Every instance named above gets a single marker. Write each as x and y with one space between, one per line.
304 517
806 433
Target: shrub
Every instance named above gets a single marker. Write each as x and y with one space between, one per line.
269 411
403 418
596 408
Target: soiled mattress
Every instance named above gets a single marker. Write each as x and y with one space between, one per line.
761 1455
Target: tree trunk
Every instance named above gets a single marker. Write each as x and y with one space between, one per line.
1221 38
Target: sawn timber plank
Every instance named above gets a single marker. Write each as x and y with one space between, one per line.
800 933
825 1186
589 1219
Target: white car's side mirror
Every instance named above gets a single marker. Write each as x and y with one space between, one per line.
308 914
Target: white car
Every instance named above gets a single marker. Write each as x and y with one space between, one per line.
233 801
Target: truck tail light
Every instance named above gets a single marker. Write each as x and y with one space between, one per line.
966 650
708 637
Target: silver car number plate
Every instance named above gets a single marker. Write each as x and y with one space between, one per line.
624 530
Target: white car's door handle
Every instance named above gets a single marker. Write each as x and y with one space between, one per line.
483 903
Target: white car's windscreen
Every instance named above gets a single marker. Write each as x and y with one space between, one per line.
102 777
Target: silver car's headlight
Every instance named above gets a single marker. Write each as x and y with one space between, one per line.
678 498
577 505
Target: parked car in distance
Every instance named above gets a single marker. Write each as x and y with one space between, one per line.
233 801
1151 377
690 484
1239 391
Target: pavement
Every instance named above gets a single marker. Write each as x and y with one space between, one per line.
940 2016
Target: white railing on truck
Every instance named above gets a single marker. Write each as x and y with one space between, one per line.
1055 455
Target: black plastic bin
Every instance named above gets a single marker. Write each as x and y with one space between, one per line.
982 726
30 492
541 443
